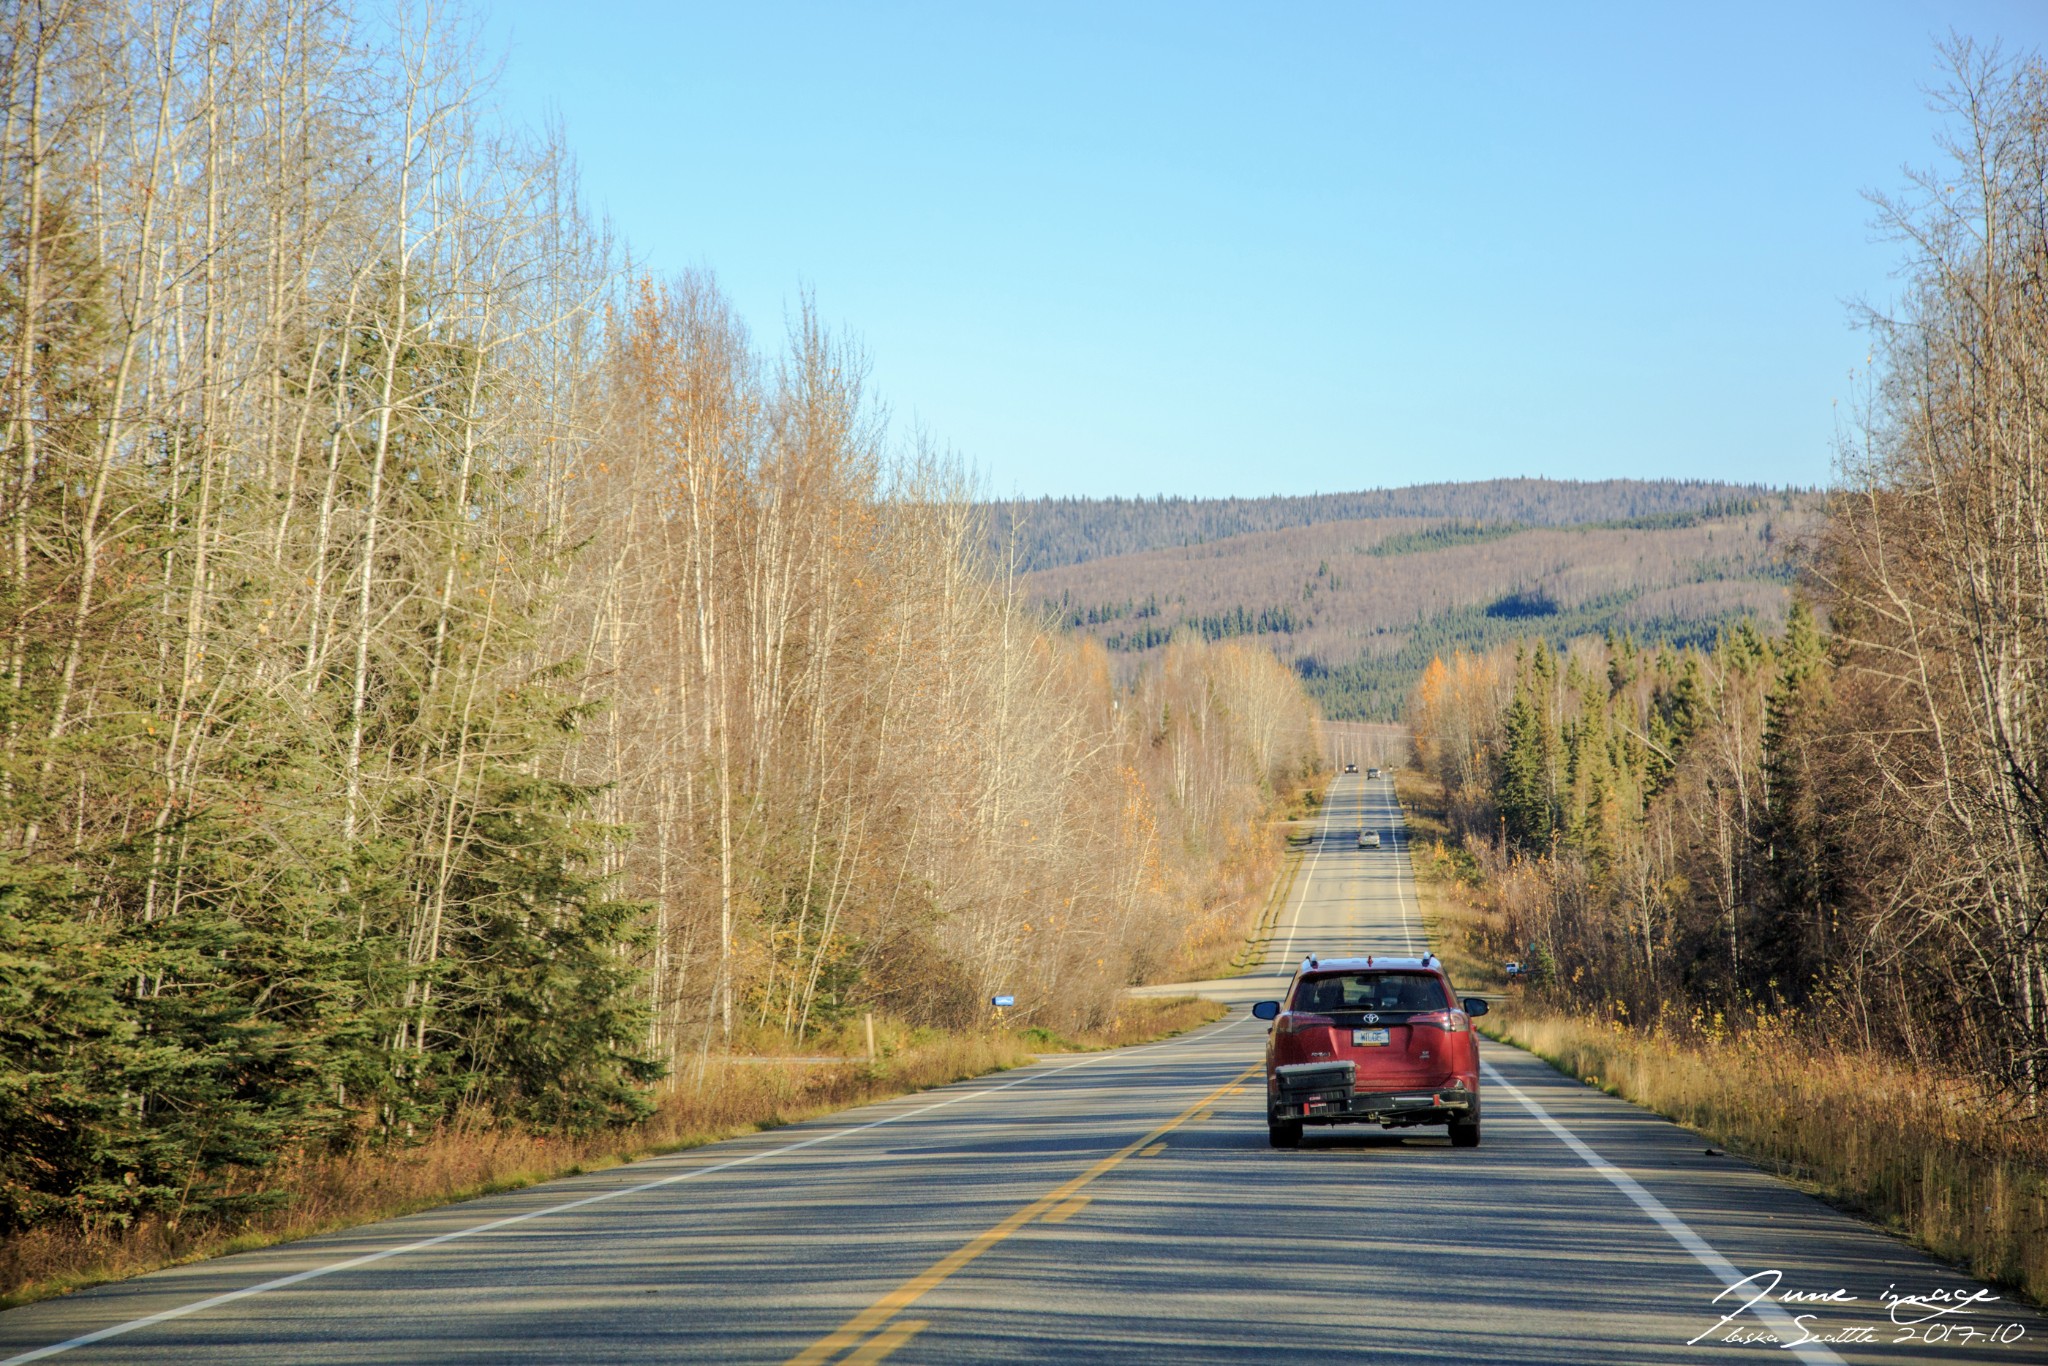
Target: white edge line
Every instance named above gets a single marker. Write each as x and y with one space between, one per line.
1404 868
349 1264
1774 1316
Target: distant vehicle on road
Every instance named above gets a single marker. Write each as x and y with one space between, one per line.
1372 773
1511 969
1368 839
1371 1041
1351 768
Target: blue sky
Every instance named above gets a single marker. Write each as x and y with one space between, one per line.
1211 250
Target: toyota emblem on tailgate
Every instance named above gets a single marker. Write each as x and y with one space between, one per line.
1371 1018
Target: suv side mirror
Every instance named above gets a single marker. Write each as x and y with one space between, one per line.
1266 1010
1475 1005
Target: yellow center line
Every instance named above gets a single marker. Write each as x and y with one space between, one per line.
918 1286
1154 1150
886 1341
1059 1214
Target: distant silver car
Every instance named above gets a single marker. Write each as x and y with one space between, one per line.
1372 773
1368 839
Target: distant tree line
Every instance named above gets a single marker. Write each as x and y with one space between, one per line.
1047 532
1443 536
1447 534
1069 614
1685 517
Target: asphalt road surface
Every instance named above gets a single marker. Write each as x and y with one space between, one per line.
1115 1207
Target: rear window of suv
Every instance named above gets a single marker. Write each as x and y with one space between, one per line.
1371 991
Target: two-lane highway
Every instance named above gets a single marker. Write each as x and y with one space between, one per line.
1114 1207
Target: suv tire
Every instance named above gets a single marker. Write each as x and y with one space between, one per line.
1283 1133
1465 1133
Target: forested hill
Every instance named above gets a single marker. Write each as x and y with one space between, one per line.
1048 532
1358 607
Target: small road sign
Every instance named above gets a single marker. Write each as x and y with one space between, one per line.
1000 1001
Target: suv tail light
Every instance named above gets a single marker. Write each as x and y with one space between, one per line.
1451 1021
1294 1022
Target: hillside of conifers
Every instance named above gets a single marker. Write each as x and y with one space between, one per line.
446 679
1358 592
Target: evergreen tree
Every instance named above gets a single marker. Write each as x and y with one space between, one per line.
1678 710
1524 796
1800 928
1591 785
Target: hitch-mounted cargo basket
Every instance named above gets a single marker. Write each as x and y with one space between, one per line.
1316 1087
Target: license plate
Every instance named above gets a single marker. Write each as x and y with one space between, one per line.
1369 1038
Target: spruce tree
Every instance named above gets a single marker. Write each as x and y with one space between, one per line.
1799 861
1524 782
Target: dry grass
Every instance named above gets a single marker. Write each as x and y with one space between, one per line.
1920 1153
1138 1019
728 1099
1251 954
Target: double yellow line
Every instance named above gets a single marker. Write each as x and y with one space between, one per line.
918 1286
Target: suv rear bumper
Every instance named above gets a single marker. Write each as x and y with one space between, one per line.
1331 1102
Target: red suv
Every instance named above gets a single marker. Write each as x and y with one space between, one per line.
1372 1041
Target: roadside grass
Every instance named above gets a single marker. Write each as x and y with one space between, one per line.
1305 803
1138 1019
724 1098
1918 1152
1253 951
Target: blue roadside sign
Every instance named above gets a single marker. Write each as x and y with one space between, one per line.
1002 1000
